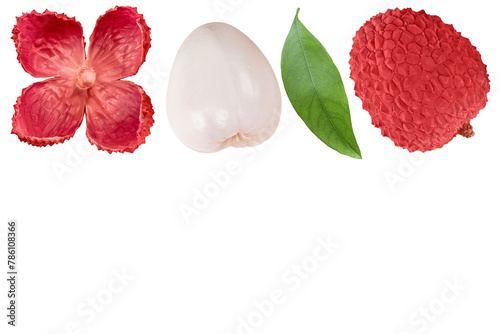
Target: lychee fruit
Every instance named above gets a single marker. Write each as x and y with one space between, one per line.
420 80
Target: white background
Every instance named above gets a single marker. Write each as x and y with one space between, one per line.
398 245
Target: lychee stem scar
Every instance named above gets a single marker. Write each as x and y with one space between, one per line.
466 131
85 77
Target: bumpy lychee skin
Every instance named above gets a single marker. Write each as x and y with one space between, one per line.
420 80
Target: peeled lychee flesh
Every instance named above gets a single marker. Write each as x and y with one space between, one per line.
420 80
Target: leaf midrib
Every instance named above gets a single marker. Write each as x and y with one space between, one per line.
302 48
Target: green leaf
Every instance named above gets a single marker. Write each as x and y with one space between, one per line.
315 89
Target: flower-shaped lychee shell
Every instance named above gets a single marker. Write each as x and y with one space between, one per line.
118 113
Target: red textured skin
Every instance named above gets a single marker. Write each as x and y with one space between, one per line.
49 112
419 78
120 31
127 129
49 44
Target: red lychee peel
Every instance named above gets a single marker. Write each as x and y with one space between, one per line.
100 132
141 22
31 34
420 79
52 45
121 31
33 141
59 113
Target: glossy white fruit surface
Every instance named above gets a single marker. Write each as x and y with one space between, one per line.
222 91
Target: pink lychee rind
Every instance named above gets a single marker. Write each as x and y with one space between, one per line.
101 133
123 32
420 79
34 31
48 112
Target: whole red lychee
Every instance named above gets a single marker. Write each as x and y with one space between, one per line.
420 80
